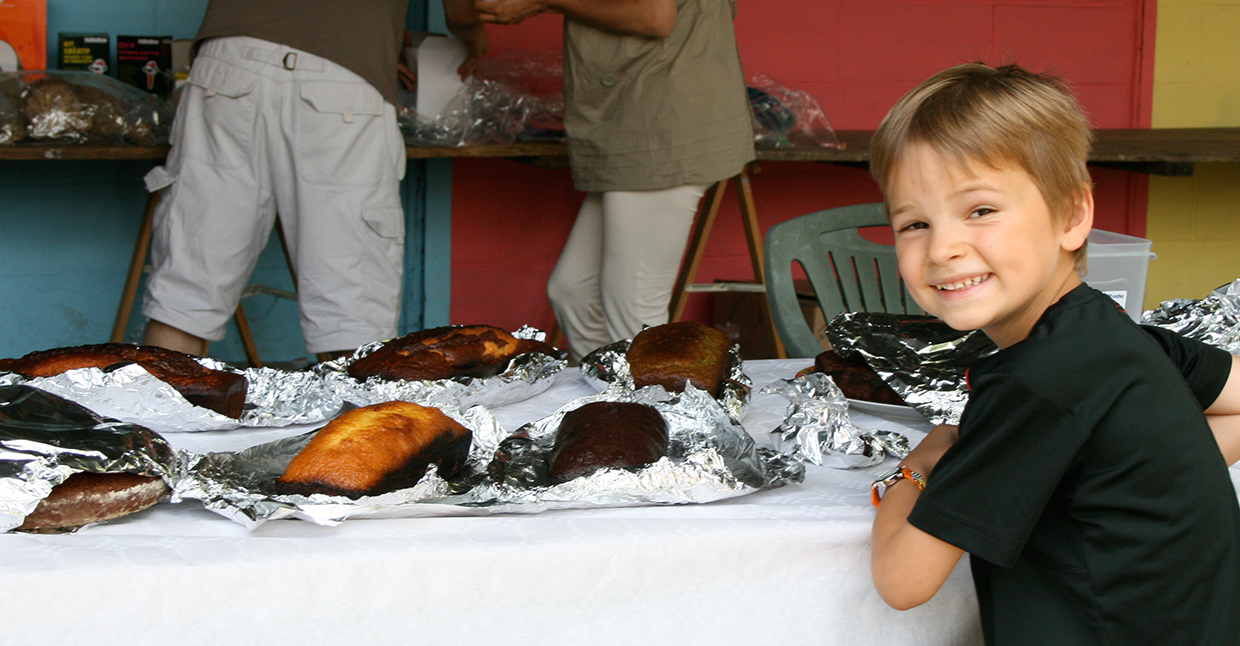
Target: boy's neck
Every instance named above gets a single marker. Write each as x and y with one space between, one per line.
1018 330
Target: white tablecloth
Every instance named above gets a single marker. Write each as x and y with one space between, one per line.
789 565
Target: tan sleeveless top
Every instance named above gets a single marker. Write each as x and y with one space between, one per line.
363 36
651 113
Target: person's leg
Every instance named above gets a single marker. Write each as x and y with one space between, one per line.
340 206
215 214
573 288
644 236
166 336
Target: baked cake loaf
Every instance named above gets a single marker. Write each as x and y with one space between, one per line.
601 435
856 379
85 498
674 354
376 449
447 352
218 390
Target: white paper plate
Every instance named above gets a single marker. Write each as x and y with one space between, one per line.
889 411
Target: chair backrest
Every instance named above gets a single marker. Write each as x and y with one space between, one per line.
848 272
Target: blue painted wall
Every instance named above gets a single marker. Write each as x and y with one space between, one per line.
67 228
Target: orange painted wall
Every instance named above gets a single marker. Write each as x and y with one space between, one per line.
856 58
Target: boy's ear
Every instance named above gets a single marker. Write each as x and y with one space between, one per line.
1080 221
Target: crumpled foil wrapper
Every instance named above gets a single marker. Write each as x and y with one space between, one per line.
609 364
131 394
920 357
710 457
44 439
527 375
240 485
818 428
1214 320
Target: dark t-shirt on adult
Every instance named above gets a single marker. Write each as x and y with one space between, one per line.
1089 489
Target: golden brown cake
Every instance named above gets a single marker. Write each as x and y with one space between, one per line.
674 354
217 390
600 435
376 449
85 498
856 379
446 352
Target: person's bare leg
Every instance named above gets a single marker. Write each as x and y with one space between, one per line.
166 336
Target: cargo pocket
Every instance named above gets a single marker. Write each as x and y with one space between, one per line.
386 221
216 125
342 135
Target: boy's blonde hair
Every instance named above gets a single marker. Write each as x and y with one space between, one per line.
996 116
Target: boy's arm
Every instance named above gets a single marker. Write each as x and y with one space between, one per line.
909 565
1224 415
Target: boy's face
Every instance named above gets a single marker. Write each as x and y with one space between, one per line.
978 246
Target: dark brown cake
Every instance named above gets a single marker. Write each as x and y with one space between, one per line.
607 434
446 352
86 498
674 354
856 379
220 391
376 449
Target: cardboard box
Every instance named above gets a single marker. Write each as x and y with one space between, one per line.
23 35
87 52
145 62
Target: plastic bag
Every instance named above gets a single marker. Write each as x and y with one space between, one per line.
786 118
79 108
513 98
519 97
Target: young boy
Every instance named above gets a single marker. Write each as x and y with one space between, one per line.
1086 483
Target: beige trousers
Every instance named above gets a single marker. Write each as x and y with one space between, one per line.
619 265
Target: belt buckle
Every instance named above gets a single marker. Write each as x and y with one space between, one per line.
290 64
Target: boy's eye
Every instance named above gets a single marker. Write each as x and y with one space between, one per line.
981 211
911 226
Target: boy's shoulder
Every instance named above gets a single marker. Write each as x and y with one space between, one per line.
1084 330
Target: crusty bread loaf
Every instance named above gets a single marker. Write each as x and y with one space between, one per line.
218 390
446 352
85 498
601 435
674 354
856 379
376 449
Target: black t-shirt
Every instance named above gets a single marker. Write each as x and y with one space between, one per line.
1088 488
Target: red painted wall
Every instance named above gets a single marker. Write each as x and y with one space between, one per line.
856 58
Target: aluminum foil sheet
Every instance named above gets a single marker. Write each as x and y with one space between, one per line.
920 357
241 485
609 364
526 376
1214 320
710 457
131 394
818 428
44 439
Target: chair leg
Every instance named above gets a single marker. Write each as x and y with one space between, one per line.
697 246
130 291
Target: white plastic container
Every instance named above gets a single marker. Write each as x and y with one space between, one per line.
1118 265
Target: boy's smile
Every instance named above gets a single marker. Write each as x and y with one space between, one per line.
978 246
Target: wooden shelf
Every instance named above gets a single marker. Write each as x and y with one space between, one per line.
1165 151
